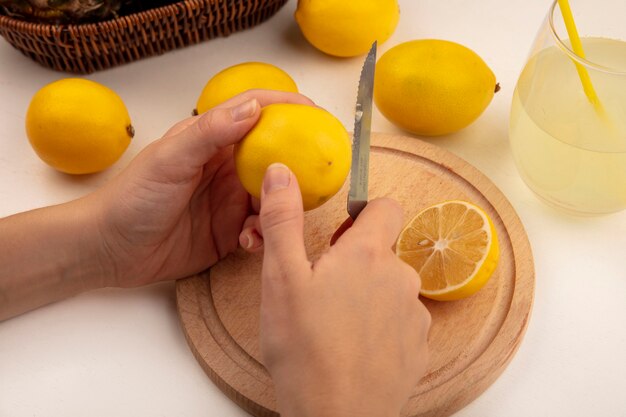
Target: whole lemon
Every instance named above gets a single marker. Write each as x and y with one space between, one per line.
432 87
78 126
347 28
309 140
242 77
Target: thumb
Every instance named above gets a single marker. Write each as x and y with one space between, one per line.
198 139
282 221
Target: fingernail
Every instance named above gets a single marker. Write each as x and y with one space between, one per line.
244 110
277 177
246 241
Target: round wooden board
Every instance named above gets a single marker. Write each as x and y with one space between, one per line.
471 340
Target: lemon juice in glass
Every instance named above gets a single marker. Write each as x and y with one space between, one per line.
569 145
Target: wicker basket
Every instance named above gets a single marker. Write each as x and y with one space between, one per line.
86 48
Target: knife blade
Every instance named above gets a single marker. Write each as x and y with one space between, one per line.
357 196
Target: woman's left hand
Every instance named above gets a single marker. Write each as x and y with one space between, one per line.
179 207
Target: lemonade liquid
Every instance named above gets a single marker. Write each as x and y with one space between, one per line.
568 152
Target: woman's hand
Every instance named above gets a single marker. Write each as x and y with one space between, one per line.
174 211
179 207
346 335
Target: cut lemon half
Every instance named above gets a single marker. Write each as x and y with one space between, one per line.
453 246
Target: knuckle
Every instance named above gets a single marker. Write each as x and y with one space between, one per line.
412 275
370 250
388 204
158 153
206 122
425 316
275 214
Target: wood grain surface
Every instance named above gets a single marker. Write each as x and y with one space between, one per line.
471 340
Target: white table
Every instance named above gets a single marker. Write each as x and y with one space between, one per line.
122 352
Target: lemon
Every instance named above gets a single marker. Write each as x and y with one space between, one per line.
432 87
454 248
309 140
242 77
78 126
347 28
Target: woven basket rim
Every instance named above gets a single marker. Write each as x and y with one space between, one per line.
88 47
120 22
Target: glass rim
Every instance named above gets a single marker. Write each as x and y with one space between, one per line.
582 61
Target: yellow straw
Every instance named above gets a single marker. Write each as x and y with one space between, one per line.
577 46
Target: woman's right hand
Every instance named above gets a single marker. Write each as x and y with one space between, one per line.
346 335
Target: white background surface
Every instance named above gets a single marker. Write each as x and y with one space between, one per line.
122 352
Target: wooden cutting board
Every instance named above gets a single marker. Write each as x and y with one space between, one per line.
471 340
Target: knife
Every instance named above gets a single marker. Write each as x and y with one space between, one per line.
357 196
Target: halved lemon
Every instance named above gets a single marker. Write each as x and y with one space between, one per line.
453 246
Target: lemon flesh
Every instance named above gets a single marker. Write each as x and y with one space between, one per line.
347 28
78 126
453 246
240 78
432 87
309 140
